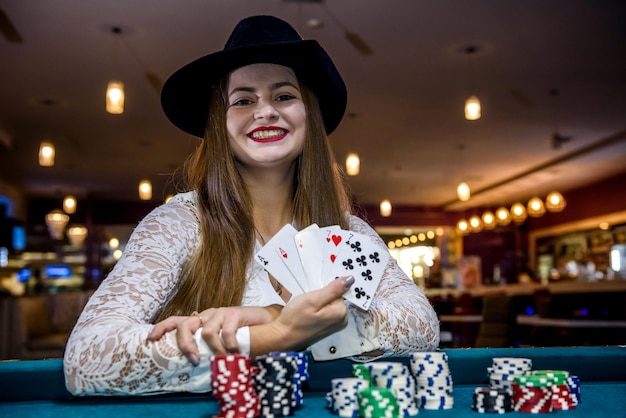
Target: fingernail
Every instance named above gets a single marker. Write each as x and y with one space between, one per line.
194 359
347 281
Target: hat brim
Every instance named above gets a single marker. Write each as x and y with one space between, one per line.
185 95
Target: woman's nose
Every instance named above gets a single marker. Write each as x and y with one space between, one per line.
265 110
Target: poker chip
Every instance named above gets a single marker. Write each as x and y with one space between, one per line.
377 402
344 396
490 400
434 386
233 386
275 385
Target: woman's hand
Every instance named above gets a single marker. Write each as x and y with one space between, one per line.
306 319
219 328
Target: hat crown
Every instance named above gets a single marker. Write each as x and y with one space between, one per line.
261 30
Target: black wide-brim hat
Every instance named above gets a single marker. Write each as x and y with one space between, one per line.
258 39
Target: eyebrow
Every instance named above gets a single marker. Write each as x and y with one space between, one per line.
273 87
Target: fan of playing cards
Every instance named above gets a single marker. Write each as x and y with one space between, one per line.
309 259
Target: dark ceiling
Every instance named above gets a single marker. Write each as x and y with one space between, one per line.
540 68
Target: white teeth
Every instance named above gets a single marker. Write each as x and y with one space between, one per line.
267 133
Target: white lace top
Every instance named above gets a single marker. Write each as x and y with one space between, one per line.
108 354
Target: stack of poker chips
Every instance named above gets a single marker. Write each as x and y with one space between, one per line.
377 402
573 384
300 376
433 378
233 386
532 393
504 369
398 378
562 397
492 400
275 385
343 399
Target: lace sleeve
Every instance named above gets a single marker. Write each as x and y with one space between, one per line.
107 352
400 319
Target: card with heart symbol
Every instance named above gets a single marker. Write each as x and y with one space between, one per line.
316 255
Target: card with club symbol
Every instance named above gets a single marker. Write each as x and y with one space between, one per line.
309 259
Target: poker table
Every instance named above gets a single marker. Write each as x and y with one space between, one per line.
36 388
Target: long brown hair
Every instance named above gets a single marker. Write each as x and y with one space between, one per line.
215 275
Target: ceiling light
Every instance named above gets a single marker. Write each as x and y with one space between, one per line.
472 108
555 202
463 191
385 208
503 216
489 220
114 243
353 164
69 205
46 154
145 190
518 213
77 234
472 105
536 208
115 98
56 221
475 223
462 227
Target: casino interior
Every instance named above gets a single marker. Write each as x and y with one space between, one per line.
532 253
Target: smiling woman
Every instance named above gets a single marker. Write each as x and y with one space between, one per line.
187 286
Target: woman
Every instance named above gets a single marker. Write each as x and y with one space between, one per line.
187 285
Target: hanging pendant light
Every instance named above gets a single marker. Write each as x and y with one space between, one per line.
463 191
353 164
56 221
472 104
462 227
503 216
77 234
145 190
69 205
489 220
115 89
555 202
385 208
115 98
536 208
475 223
46 154
518 213
472 108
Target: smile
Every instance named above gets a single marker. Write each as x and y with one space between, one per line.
268 135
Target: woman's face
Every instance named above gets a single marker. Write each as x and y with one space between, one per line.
265 116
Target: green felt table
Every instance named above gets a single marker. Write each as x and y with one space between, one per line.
36 388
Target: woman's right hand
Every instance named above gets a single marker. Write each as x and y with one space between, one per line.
306 319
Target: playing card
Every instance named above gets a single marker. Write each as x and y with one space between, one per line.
286 248
271 260
309 245
366 261
331 238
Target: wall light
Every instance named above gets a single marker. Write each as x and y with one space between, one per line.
46 154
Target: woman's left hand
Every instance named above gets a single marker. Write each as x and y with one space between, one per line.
219 328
